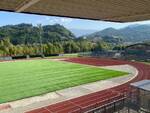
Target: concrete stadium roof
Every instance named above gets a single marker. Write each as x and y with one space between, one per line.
108 10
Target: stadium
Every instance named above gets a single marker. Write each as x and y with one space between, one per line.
75 83
94 98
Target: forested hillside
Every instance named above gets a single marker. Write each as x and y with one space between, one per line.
29 34
26 39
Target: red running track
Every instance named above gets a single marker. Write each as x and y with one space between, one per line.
87 102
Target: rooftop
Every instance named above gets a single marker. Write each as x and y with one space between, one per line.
143 84
108 10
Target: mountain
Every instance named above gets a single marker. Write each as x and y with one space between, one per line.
105 32
138 33
133 33
81 32
29 34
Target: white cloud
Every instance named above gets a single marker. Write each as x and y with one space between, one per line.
53 20
60 20
47 18
66 20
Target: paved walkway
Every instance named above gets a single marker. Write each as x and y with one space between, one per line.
28 104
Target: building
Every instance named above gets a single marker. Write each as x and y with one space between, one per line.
140 97
140 51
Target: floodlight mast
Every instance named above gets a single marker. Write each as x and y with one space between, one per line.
40 39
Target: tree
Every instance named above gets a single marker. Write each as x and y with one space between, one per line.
101 46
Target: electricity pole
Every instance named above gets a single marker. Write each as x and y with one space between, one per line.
40 39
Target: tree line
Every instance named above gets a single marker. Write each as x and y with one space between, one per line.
8 49
70 46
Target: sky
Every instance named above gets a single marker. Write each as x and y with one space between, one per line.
10 18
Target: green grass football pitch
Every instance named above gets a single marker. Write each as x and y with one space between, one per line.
21 79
